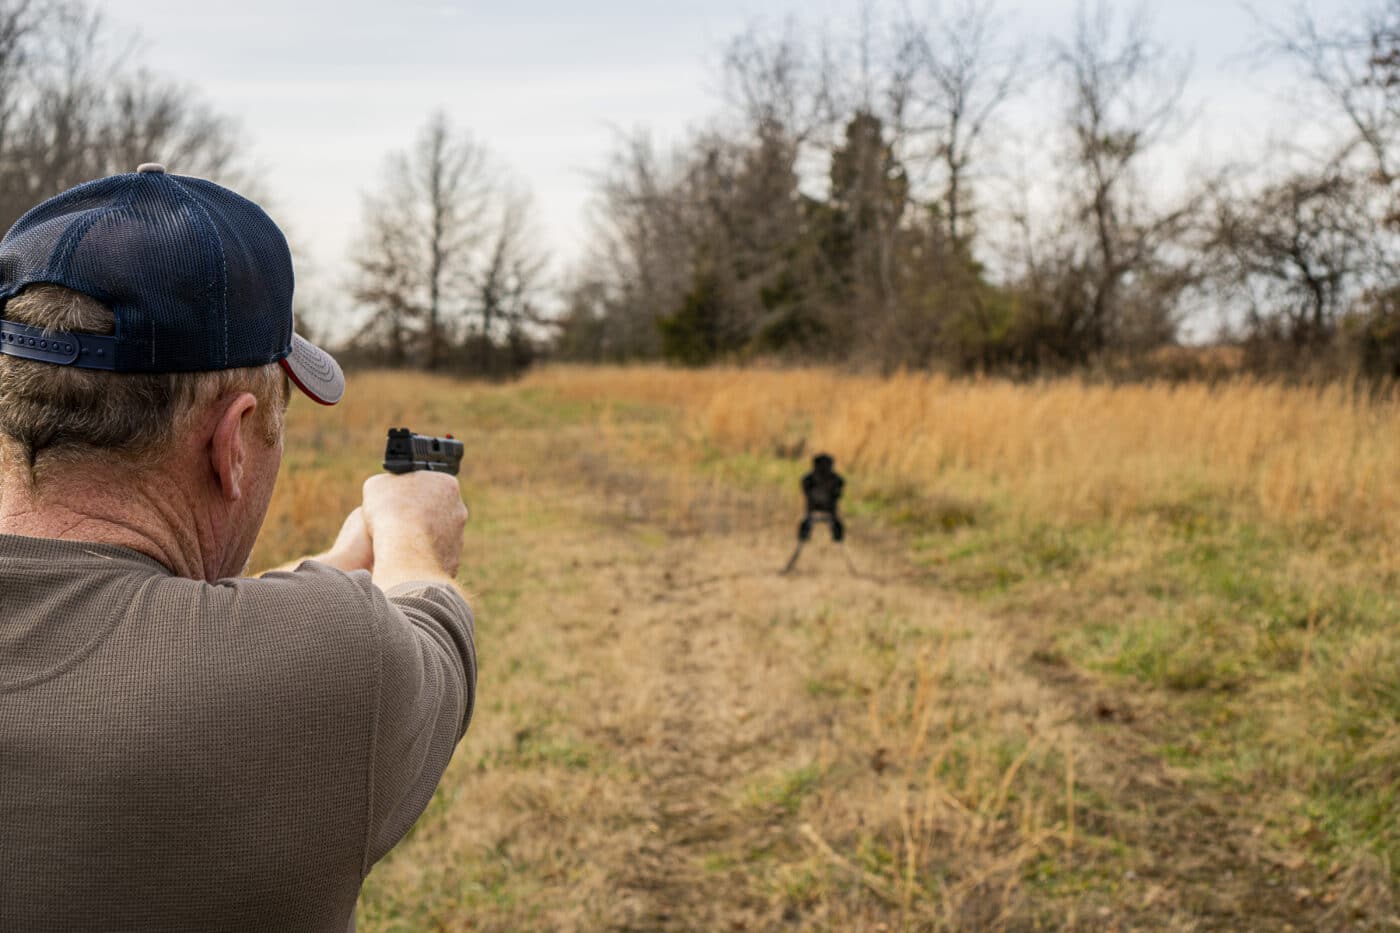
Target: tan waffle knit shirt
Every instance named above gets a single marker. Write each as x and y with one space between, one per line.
181 756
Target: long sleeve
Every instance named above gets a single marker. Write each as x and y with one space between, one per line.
425 693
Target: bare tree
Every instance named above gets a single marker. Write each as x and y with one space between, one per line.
643 245
388 279
18 25
448 256
1355 67
148 118
73 109
447 178
1124 94
780 82
960 73
418 254
1298 253
1319 241
507 282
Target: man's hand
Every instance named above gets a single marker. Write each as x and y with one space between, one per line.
409 528
353 549
415 523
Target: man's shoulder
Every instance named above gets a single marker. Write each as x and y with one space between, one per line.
315 618
315 598
283 618
326 604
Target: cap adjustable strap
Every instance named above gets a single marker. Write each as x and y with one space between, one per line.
85 351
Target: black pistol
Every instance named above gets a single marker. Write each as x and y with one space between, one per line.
405 452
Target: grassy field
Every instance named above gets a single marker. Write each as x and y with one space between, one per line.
1111 658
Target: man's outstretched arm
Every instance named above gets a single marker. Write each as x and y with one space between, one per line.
352 549
428 653
408 534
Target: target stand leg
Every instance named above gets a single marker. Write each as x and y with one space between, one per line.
792 561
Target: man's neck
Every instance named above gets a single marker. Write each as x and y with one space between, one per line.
127 511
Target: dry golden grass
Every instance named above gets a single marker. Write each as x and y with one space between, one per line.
1061 448
990 727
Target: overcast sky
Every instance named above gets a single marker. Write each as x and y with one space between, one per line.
324 90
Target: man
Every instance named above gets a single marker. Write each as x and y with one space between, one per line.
181 747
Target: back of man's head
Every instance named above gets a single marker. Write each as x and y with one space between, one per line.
53 418
132 304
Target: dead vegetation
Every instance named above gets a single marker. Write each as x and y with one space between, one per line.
673 737
1056 449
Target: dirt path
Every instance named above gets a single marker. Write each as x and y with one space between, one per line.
682 805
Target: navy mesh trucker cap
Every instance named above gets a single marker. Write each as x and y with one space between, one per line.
199 279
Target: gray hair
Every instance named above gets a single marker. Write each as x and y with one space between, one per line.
51 416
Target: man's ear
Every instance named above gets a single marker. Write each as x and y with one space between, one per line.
227 451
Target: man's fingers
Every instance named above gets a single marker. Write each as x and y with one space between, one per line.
419 509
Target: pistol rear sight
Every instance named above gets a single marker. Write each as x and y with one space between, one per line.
405 452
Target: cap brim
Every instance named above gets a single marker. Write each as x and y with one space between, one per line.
314 371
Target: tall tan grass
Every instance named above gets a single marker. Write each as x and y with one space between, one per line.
1295 455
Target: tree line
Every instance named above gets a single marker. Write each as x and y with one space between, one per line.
877 197
447 270
861 199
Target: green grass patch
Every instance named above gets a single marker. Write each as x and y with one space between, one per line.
787 792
